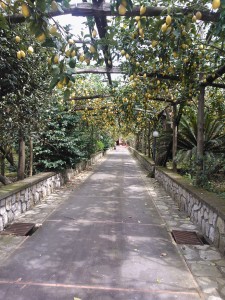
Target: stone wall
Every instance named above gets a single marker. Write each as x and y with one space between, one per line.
20 196
204 208
145 161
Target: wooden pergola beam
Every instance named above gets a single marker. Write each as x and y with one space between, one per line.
118 70
217 85
100 70
89 108
104 9
218 73
101 23
162 76
162 100
89 97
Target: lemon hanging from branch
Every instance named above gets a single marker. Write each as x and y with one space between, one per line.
122 10
94 33
164 27
215 4
41 37
142 10
92 49
25 10
17 39
30 50
168 20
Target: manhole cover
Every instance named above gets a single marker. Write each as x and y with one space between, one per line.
22 229
186 237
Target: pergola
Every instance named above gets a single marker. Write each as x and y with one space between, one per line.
100 10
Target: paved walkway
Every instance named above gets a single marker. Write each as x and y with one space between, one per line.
106 236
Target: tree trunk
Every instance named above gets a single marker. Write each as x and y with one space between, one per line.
145 140
174 137
8 155
21 162
200 137
2 163
137 142
163 161
31 158
4 180
149 143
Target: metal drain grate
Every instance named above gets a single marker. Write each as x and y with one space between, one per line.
22 229
186 237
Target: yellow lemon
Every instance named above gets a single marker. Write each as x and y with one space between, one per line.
122 9
53 29
94 33
41 37
73 53
168 20
59 85
30 50
17 39
215 4
164 27
25 10
137 18
154 43
68 53
71 41
92 49
194 19
22 53
56 59
54 6
142 10
18 54
82 58
3 5
141 32
198 15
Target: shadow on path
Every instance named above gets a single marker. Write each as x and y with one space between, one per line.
106 241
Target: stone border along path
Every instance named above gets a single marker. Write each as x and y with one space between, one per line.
205 262
39 213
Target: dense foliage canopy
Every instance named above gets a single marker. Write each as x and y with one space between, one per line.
167 54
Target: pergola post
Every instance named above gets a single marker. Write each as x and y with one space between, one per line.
148 137
143 141
22 155
200 137
137 141
174 137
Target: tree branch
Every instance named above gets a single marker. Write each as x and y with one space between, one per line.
88 9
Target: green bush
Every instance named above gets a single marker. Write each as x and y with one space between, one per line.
100 146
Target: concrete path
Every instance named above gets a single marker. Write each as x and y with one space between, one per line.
106 240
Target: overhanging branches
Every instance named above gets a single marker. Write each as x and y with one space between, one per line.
104 9
89 97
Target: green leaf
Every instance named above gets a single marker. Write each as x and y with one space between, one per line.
49 42
66 94
72 63
54 81
41 4
3 23
55 70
